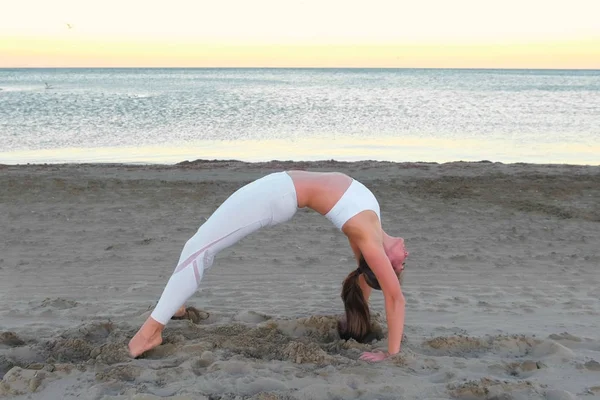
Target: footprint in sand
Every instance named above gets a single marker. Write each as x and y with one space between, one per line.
10 339
504 346
591 365
19 381
575 342
557 394
199 365
251 317
456 346
594 390
125 373
58 303
523 369
487 388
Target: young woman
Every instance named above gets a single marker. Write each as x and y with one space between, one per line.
272 200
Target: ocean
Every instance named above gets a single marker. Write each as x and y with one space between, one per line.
142 115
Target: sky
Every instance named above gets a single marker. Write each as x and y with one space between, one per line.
301 33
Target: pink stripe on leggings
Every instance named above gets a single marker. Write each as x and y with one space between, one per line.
191 258
197 273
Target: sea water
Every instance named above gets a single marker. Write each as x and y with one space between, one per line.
171 115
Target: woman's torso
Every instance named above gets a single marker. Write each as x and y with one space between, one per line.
321 191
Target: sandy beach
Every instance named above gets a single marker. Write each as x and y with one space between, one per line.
502 285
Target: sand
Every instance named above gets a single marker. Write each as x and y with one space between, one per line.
502 285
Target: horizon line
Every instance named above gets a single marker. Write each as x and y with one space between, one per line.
314 68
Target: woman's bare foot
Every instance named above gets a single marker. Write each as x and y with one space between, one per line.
180 313
148 337
191 313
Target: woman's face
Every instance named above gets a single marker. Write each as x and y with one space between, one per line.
398 256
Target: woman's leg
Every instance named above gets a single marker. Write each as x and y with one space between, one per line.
221 230
265 202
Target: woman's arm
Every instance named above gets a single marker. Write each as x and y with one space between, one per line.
379 263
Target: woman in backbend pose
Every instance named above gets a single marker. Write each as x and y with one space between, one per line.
272 200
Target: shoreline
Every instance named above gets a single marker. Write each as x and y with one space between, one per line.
405 149
223 162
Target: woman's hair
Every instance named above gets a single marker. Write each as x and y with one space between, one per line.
368 274
358 316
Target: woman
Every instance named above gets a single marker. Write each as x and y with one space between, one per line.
272 200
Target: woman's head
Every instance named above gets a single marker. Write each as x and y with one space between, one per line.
395 249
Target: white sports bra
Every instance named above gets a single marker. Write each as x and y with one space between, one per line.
356 198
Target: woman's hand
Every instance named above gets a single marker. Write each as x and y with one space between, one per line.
375 356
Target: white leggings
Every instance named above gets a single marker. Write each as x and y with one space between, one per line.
267 201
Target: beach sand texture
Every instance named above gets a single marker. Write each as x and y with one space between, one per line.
502 285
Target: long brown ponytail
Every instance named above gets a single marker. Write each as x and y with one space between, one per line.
358 317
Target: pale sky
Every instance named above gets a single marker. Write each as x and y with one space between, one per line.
314 33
